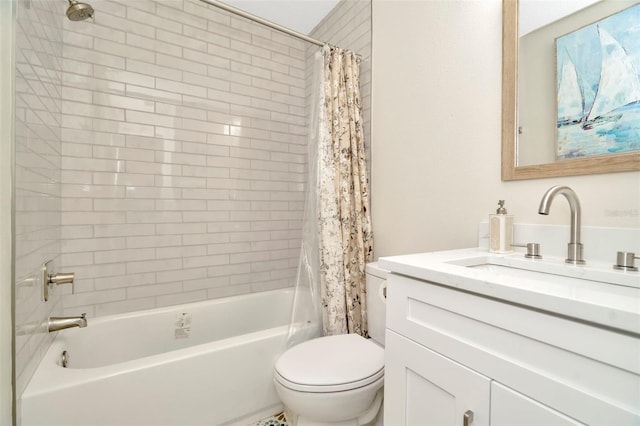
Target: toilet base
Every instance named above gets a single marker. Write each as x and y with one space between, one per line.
371 417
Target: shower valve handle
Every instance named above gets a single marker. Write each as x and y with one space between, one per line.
49 278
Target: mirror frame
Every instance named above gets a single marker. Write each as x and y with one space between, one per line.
510 170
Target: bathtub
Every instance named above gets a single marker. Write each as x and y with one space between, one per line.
206 363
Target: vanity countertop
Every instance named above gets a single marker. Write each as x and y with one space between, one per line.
581 292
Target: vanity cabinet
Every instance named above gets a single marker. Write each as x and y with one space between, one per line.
451 353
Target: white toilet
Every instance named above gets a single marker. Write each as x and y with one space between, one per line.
337 380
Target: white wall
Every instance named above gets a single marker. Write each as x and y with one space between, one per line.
37 176
183 147
7 97
436 133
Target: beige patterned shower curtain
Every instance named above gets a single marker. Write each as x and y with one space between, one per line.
346 242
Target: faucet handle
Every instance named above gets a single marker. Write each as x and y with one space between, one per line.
533 250
50 278
625 261
62 278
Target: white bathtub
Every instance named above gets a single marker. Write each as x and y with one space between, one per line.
151 368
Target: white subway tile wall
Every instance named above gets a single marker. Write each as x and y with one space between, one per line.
183 145
38 82
160 155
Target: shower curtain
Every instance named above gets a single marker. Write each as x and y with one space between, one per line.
346 242
337 240
306 317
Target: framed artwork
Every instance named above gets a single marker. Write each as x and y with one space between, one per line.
598 87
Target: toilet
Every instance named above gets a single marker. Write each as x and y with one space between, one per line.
338 380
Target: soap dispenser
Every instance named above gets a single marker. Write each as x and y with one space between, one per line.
500 230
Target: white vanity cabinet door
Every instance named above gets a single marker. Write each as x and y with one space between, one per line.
423 388
510 408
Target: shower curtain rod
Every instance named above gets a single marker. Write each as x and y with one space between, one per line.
259 20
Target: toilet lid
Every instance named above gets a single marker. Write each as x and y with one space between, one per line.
332 363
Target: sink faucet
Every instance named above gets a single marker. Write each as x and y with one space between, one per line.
575 246
60 323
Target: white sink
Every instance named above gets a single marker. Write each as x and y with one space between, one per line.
555 270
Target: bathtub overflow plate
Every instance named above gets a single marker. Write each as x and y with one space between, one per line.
64 359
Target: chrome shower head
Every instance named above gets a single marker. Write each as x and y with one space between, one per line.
79 11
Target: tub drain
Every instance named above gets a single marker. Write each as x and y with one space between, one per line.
64 359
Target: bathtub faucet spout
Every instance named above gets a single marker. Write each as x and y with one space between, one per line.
60 323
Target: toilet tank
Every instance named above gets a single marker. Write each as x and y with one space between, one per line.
376 301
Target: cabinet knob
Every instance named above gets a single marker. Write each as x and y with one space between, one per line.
467 418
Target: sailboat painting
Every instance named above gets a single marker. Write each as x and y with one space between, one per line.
598 87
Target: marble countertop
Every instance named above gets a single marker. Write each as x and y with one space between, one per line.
585 293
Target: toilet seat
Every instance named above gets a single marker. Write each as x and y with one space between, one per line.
338 387
331 364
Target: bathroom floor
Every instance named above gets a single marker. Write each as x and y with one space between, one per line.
275 420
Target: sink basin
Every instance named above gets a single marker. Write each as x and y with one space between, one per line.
516 272
548 270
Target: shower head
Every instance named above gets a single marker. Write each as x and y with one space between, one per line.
79 11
